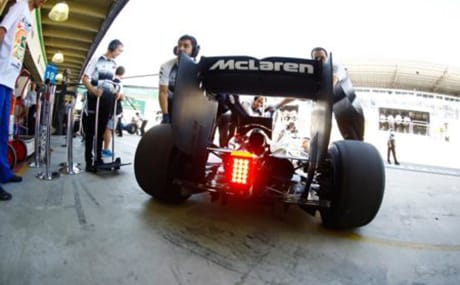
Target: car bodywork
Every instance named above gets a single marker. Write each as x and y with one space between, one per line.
344 180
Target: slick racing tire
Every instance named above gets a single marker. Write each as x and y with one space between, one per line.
157 162
12 158
358 183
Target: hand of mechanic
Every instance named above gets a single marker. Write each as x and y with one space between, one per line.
270 109
98 91
166 119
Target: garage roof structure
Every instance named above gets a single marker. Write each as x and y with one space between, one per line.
408 75
78 37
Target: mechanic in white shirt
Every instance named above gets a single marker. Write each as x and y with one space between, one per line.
255 108
168 71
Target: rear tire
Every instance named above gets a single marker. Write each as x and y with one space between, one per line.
157 162
358 183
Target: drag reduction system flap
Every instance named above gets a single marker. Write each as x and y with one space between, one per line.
272 76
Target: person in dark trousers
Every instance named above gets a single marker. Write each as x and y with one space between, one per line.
391 147
229 112
15 27
98 79
61 103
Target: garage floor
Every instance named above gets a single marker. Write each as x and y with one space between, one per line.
102 229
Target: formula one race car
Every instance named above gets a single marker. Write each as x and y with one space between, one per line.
344 180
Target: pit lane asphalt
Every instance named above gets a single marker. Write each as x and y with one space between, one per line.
407 166
102 229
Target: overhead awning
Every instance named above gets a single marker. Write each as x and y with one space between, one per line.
78 37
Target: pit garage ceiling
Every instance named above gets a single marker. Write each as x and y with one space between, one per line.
78 37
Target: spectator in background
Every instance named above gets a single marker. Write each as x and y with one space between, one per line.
382 122
446 132
391 147
30 101
398 122
20 116
406 123
62 102
391 121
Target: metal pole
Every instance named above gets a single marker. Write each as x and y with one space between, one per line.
70 167
48 174
114 119
96 121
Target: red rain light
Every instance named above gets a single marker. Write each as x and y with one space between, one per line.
240 167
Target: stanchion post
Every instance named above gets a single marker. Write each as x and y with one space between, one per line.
114 119
96 122
48 174
70 167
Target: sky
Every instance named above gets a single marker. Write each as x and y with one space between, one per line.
408 30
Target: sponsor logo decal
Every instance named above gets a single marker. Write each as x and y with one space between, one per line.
263 65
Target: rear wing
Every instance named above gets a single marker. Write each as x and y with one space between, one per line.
195 109
273 76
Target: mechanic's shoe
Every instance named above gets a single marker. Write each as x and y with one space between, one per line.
4 196
90 168
106 152
397 163
15 178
